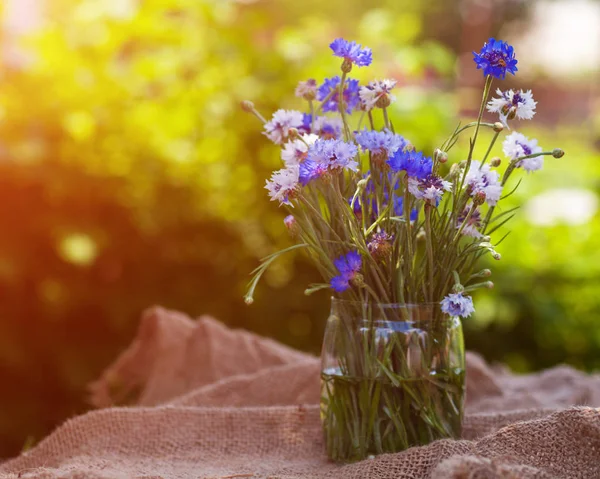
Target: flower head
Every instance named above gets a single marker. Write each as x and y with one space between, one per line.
283 185
328 128
482 180
377 93
455 304
380 245
517 145
511 104
431 188
307 89
294 152
326 156
413 162
348 267
472 225
380 143
352 52
277 130
496 58
329 93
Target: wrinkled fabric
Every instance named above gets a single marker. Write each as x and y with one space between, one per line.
194 399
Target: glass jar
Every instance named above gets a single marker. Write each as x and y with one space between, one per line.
392 377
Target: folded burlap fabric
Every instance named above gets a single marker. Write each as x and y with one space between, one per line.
209 402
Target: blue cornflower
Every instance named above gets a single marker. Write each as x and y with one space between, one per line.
399 208
380 143
327 156
352 52
309 170
351 98
348 267
496 58
413 162
455 304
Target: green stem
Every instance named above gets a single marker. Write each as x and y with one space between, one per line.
429 246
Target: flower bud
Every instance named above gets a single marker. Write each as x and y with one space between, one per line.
292 226
479 198
361 185
293 133
383 101
439 155
498 127
458 288
485 273
495 162
497 256
358 280
346 66
489 285
247 106
558 153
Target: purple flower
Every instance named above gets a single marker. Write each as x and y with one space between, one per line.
380 143
352 52
330 86
496 58
431 188
413 162
309 171
277 130
325 127
307 89
455 304
380 245
326 156
348 267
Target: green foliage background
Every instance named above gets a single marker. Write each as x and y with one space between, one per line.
129 177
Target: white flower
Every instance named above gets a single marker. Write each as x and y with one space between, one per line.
483 179
519 104
277 130
473 223
283 184
294 152
430 189
376 90
328 127
517 145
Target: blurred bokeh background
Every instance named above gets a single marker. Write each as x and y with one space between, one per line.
130 177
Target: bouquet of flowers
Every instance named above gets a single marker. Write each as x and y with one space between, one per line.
387 224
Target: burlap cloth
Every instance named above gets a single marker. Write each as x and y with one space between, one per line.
210 402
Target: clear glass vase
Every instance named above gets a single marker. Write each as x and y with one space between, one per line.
392 377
